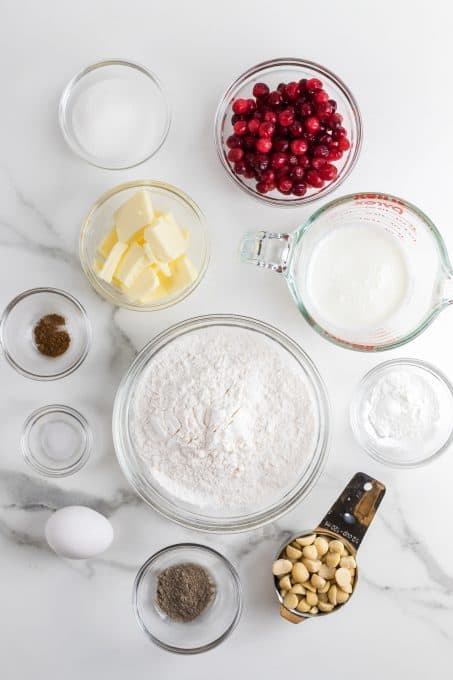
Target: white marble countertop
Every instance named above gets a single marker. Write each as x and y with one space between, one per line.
72 620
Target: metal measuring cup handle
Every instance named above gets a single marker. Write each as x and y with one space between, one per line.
348 519
354 510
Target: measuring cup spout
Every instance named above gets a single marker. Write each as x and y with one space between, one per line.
266 249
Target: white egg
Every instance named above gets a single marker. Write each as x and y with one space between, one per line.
78 532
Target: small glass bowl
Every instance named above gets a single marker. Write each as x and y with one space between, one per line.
56 440
165 197
388 452
272 73
213 625
104 84
16 333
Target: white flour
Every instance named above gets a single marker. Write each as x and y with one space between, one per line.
224 418
403 405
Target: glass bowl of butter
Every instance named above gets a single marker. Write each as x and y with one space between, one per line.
144 245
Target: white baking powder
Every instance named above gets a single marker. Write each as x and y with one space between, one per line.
404 405
224 418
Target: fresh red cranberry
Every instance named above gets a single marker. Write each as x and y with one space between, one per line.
320 97
235 117
253 125
258 115
297 173
335 120
299 188
240 128
268 176
240 167
343 144
282 172
264 145
249 173
299 146
312 125
281 87
251 106
304 161
313 85
270 117
334 155
328 172
286 118
303 85
339 132
281 144
262 187
285 185
233 141
266 130
323 111
305 109
249 142
240 106
260 90
296 130
317 163
320 151
279 159
261 161
274 99
235 155
292 160
313 179
333 104
292 91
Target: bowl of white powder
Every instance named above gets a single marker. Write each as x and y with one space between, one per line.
222 423
402 413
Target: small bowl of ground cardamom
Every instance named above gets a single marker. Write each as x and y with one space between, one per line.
187 598
45 333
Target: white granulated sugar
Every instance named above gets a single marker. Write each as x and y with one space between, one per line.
224 418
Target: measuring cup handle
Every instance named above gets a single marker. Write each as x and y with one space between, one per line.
266 249
353 511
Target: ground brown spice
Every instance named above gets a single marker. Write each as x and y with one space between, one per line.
184 591
50 335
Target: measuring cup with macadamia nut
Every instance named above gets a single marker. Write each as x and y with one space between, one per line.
316 572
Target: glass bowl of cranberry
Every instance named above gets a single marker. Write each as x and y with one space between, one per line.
288 131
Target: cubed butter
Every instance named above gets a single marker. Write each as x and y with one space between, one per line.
136 213
164 267
107 243
132 264
183 274
144 285
166 240
112 261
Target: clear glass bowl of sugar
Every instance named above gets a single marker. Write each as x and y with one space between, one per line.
402 413
114 114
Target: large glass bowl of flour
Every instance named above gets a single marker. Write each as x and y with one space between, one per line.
222 423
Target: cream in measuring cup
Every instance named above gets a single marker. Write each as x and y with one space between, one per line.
315 572
368 271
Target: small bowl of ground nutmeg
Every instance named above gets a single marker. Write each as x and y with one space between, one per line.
45 333
187 598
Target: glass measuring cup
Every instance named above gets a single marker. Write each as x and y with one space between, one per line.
347 520
428 272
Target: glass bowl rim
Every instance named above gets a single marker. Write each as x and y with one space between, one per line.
86 323
296 63
151 184
358 397
66 94
190 519
188 546
33 418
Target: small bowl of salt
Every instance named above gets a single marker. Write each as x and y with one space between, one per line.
402 413
114 114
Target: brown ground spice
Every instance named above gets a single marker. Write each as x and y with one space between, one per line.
50 335
184 591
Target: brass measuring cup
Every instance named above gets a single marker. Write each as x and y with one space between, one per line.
347 520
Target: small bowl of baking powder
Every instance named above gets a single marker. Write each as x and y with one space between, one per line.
402 413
